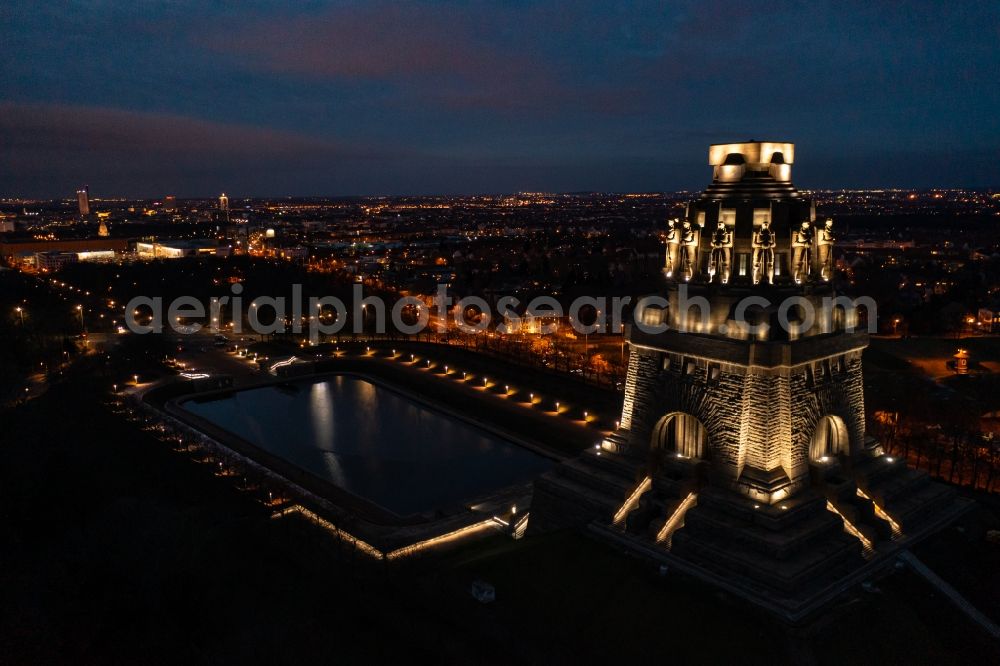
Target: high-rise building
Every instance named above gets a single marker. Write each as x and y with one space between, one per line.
170 202
83 200
223 202
742 455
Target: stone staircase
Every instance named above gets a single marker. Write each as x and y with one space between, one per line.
788 552
842 492
594 486
792 547
581 490
909 496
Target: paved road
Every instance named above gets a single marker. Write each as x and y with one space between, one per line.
200 354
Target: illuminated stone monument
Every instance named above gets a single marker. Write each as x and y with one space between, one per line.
742 455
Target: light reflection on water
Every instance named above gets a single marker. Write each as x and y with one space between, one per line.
374 442
321 409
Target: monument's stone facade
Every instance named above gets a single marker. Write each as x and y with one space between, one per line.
758 413
741 452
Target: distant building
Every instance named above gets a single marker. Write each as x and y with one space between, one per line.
170 202
6 225
96 255
102 230
55 261
83 200
295 252
861 244
81 245
987 318
178 249
223 213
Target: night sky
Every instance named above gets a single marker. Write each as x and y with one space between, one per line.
310 98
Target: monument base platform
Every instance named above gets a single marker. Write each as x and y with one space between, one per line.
792 558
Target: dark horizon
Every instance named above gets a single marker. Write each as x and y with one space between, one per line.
234 198
361 99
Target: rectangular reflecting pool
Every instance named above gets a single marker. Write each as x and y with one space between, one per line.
373 442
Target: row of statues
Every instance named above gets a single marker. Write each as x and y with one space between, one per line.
682 246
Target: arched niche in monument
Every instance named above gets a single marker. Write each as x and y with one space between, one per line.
830 438
680 433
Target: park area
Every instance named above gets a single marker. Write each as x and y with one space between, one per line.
120 549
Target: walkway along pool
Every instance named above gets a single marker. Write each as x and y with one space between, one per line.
372 441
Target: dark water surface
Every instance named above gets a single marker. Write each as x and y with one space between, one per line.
374 442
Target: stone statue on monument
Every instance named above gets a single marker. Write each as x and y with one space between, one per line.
722 251
763 253
688 247
802 242
824 249
672 239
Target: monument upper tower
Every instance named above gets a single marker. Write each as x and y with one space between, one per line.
759 169
750 226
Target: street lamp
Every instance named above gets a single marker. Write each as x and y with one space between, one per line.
20 313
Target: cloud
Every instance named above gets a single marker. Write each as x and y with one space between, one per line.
377 41
143 152
89 130
453 58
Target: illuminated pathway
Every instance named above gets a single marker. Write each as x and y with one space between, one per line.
484 384
399 553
